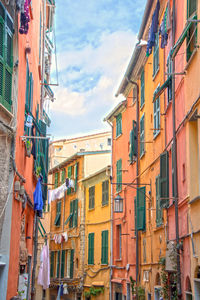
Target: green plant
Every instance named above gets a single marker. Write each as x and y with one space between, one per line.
38 171
164 279
28 144
94 291
141 293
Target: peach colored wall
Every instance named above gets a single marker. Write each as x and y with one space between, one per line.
24 164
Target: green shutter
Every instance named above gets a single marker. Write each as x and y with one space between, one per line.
118 125
58 264
63 263
158 208
164 179
27 85
119 175
142 135
56 180
141 208
63 175
91 248
69 174
104 247
58 213
156 55
52 264
72 264
91 197
76 176
75 212
105 192
71 212
191 7
142 98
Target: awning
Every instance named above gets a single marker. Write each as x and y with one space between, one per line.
161 89
98 283
68 218
117 280
182 37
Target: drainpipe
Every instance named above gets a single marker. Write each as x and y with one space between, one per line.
111 212
175 158
137 180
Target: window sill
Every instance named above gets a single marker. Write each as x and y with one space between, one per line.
157 71
104 264
6 111
189 61
157 134
118 260
104 205
118 136
91 209
142 106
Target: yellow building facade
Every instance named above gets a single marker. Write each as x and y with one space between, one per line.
97 235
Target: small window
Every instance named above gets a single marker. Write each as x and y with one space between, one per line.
91 197
156 55
192 32
58 214
105 192
118 125
142 128
156 116
109 141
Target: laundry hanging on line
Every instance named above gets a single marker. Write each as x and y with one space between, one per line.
37 196
165 26
44 271
59 192
59 238
153 29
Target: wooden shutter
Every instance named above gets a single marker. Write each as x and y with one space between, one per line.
134 150
52 264
27 85
91 197
58 264
63 175
76 176
105 192
142 135
63 264
191 7
72 264
164 179
119 175
104 247
56 180
69 174
142 89
118 125
131 146
158 208
75 213
141 208
156 54
71 212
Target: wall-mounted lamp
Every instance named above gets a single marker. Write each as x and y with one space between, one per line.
118 204
19 191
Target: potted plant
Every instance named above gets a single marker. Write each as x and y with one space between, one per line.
28 148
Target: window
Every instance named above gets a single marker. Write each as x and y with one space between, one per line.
6 58
69 175
90 248
71 263
141 208
63 253
119 241
156 55
73 222
142 135
104 247
118 125
63 175
119 175
158 208
58 213
58 265
105 192
91 197
164 179
56 180
169 72
29 97
76 177
156 116
109 142
68 263
133 142
52 264
142 97
192 32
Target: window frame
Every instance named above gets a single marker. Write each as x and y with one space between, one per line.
142 136
91 192
118 125
156 117
191 31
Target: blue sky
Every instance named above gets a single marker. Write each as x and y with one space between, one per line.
95 40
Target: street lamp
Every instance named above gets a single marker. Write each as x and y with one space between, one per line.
118 204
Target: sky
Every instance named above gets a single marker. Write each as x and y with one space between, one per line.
95 40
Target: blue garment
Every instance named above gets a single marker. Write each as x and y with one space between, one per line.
164 27
153 29
37 195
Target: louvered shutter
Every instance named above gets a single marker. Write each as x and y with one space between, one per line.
164 179
158 208
141 208
52 264
75 212
63 175
72 264
71 212
76 176
63 264
58 264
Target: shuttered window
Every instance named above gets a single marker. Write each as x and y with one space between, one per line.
142 97
58 214
76 177
6 58
104 247
72 264
159 212
133 142
63 176
69 175
192 32
28 97
56 180
156 116
105 192
90 248
169 72
141 208
164 179
91 197
119 175
63 263
118 125
142 135
58 265
52 264
73 222
156 55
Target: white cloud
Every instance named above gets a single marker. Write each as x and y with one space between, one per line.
110 59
